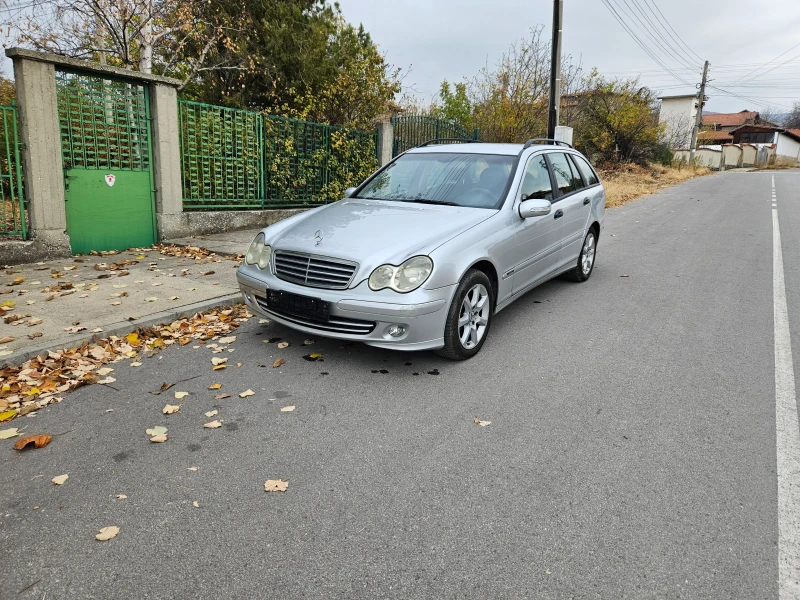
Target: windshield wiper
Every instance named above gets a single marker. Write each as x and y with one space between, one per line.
425 201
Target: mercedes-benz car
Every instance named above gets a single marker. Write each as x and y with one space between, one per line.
424 253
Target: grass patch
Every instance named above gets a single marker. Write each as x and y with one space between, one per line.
630 181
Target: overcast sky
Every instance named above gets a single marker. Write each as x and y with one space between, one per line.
453 39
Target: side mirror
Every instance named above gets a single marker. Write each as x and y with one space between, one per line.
349 192
535 208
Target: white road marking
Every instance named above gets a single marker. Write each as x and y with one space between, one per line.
787 431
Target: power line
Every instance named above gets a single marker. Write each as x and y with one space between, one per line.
673 30
639 42
770 61
654 37
746 98
677 48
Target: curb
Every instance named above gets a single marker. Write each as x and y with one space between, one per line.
121 328
224 253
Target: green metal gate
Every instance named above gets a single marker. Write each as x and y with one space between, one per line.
412 130
105 147
12 210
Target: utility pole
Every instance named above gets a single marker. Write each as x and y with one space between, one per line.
555 70
699 117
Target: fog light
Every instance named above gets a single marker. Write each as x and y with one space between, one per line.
396 330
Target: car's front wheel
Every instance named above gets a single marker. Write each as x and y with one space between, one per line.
469 317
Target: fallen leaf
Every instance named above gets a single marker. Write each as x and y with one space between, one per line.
227 340
39 441
222 396
20 279
191 469
312 357
151 299
34 335
165 386
220 367
181 395
60 479
263 321
121 496
283 345
211 413
482 423
170 409
97 330
278 363
195 504
213 425
7 415
173 298
247 393
288 408
218 361
215 386
158 430
133 339
9 433
107 380
307 342
136 364
106 533
104 371
206 273
158 439
116 303
6 339
276 485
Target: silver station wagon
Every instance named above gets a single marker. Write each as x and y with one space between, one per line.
424 253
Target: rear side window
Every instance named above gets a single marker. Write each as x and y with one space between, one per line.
536 182
588 172
566 180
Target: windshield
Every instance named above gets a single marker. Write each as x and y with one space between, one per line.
473 180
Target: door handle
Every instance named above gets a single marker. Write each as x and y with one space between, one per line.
559 214
585 201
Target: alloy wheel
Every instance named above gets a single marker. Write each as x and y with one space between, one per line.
473 318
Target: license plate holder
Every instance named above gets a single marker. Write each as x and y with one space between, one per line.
296 304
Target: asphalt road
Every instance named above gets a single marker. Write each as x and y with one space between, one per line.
631 451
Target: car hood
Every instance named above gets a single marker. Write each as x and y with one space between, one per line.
374 232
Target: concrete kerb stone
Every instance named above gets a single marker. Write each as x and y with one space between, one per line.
121 328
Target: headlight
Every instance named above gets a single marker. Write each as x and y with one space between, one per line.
405 278
258 253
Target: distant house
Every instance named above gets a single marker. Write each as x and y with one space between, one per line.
717 128
786 141
678 114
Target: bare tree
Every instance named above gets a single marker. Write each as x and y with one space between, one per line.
172 37
677 131
792 120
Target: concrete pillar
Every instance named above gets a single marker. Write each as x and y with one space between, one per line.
385 141
40 135
166 160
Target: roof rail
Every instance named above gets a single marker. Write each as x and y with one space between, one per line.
533 141
437 140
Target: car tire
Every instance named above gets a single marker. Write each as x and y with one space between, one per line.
585 264
469 317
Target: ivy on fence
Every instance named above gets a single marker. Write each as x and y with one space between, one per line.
235 159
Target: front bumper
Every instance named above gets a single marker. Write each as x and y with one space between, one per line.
358 314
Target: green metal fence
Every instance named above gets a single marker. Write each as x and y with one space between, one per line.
12 211
412 130
235 159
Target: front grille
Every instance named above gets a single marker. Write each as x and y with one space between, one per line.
314 271
334 324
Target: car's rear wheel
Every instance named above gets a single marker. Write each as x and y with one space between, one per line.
585 265
469 317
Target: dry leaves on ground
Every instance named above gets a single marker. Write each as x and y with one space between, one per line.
39 441
283 345
213 425
106 533
278 363
60 479
288 408
158 430
9 433
211 413
121 496
170 409
276 485
215 386
40 380
159 439
247 393
181 395
482 423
